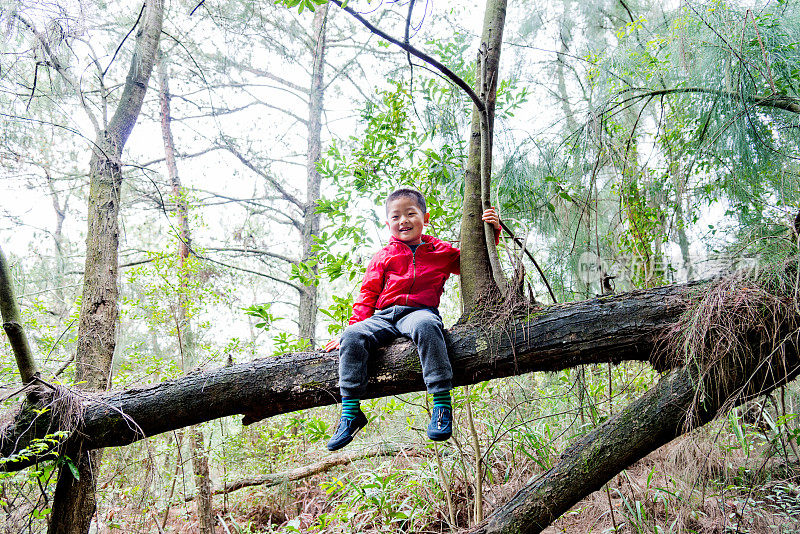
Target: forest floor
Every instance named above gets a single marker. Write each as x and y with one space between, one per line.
697 484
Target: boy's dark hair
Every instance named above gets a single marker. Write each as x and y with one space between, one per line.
408 192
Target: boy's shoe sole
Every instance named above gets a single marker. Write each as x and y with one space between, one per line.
440 437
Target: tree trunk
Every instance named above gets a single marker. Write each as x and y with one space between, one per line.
565 37
478 281
74 500
308 295
197 449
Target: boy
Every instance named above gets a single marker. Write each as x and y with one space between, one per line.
399 297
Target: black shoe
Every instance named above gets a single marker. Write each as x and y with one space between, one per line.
441 426
348 428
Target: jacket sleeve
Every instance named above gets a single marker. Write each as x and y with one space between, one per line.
371 288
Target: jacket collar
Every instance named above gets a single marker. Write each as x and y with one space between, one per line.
426 240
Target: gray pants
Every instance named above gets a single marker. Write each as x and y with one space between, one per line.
422 325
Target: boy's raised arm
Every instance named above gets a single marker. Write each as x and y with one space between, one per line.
490 216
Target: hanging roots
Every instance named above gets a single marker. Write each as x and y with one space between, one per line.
59 409
492 307
67 408
739 338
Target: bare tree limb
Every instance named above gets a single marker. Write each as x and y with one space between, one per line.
783 102
12 324
299 473
177 155
452 76
266 74
250 165
259 252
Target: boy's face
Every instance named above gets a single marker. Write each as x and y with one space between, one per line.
406 220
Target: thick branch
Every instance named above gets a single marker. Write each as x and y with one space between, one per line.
654 419
12 324
144 54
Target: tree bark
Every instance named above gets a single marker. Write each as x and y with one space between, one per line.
608 329
479 280
74 500
308 294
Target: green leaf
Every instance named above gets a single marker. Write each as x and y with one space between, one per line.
73 469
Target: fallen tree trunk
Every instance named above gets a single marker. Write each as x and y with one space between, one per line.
653 420
608 329
721 372
743 343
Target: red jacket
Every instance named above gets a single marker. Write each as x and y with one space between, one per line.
395 276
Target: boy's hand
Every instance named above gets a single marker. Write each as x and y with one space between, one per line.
490 216
333 344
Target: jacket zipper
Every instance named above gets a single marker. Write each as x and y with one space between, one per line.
413 272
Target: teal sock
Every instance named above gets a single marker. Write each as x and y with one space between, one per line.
350 407
442 399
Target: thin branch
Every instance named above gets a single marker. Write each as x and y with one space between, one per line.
188 155
33 89
242 269
783 102
265 74
247 163
298 118
417 53
254 251
64 367
218 112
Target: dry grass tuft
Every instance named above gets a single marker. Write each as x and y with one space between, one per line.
745 322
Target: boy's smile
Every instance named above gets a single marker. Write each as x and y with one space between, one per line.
406 220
